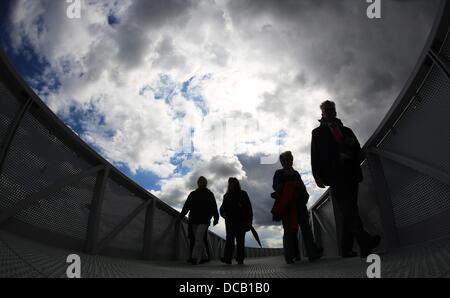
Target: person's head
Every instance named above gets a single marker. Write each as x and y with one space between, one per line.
233 185
286 159
202 182
328 110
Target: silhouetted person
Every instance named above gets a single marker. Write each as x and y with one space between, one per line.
201 205
336 158
290 205
237 211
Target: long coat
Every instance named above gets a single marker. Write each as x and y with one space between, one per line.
326 161
201 206
237 209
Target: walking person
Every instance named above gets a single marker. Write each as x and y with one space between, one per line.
336 158
201 205
237 211
291 198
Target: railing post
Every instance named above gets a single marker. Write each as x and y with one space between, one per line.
441 62
384 201
93 227
148 231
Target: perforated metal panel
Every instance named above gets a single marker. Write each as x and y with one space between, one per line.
415 196
423 133
9 107
164 235
65 212
118 203
432 228
131 237
36 160
12 266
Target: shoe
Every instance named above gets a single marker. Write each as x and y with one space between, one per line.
349 254
373 243
319 250
314 258
240 262
223 260
297 259
195 262
316 255
204 261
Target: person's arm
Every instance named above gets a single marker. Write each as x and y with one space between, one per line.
187 206
224 208
249 208
315 161
215 212
277 184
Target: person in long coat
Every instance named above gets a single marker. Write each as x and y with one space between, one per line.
237 211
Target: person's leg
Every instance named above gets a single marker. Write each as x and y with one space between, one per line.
205 239
191 241
199 247
229 243
290 243
360 234
240 243
341 196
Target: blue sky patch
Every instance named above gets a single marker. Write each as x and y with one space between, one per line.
146 179
191 92
113 20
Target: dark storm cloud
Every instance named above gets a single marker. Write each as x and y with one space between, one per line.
167 57
143 17
363 63
132 43
154 14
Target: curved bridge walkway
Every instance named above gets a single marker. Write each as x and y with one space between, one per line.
23 258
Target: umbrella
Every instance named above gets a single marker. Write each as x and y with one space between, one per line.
255 234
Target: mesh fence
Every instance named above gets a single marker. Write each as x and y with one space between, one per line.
131 237
118 203
9 107
36 160
66 211
415 196
423 133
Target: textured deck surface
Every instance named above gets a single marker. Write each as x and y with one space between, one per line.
22 258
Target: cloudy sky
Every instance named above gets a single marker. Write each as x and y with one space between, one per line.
168 90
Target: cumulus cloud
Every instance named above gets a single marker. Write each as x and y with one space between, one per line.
210 87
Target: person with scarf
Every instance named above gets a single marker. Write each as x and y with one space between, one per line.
336 158
291 198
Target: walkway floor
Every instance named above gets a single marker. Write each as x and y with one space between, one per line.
22 258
